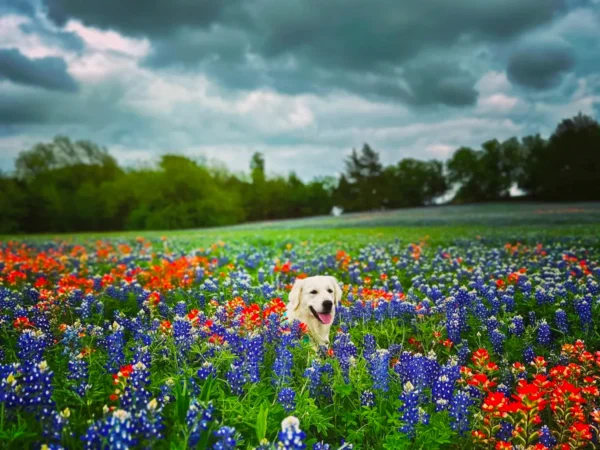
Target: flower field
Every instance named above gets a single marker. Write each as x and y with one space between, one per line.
481 342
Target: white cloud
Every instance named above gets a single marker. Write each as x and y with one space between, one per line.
29 44
104 41
500 104
493 82
441 151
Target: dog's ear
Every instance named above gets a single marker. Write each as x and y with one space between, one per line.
296 293
337 290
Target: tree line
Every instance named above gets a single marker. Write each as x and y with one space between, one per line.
66 185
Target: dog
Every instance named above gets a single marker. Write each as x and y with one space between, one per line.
313 301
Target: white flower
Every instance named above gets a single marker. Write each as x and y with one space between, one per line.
290 422
121 414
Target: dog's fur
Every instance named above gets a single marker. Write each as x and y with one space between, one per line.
310 300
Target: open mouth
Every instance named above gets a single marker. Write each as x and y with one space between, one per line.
324 318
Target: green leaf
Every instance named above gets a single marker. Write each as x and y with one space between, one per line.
261 422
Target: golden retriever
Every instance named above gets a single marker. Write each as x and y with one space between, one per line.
312 301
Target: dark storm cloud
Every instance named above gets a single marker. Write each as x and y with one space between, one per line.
440 82
49 72
540 64
137 17
312 46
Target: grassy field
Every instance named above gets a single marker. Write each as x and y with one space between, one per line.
515 221
178 339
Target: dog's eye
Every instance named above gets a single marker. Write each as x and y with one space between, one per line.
314 292
330 291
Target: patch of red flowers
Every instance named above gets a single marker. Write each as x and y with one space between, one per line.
565 398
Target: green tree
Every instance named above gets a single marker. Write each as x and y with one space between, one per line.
365 171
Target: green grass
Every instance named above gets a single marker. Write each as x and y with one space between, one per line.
444 223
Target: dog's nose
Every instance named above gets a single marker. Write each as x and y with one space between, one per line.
327 305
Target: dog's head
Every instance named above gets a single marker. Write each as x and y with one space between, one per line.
319 295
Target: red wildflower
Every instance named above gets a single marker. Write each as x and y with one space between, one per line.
22 322
581 431
165 326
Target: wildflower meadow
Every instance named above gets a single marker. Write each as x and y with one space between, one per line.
486 341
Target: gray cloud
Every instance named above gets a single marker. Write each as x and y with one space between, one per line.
55 38
24 7
332 75
441 82
315 46
49 72
540 63
138 17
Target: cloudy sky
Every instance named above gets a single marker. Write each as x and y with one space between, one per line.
303 81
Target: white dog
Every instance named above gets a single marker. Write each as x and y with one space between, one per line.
312 301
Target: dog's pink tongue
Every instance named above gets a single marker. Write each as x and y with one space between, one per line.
325 318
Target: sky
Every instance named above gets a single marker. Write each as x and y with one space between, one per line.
302 81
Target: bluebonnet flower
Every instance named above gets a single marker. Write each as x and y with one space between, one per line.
560 318
78 373
236 378
529 354
318 375
367 398
379 369
180 309
321 446
546 438
136 395
117 428
115 348
453 328
291 437
198 419
459 412
544 335
54 423
31 345
345 351
27 384
506 431
149 424
282 367
411 413
517 326
463 354
583 308
497 339
182 332
532 318
443 386
226 439
286 398
254 357
207 369
509 303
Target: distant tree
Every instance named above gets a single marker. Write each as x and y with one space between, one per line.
60 153
414 183
531 177
572 160
13 205
465 170
486 174
364 171
567 166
